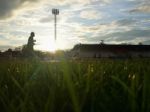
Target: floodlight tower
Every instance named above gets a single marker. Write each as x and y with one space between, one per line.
55 12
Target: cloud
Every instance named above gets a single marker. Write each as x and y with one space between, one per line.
79 2
134 34
8 7
125 22
61 19
146 42
107 28
46 19
90 14
143 7
5 47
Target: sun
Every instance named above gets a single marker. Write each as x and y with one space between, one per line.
47 46
52 47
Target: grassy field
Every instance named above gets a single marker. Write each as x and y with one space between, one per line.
77 86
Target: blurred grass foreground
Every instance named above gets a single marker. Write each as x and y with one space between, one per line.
76 86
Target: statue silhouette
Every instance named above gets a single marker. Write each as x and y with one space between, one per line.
28 49
31 41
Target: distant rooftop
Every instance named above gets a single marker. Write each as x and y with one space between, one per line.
111 47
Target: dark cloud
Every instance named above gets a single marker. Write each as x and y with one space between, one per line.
125 22
7 7
142 7
130 35
124 35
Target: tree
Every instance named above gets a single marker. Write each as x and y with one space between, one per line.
19 48
9 50
140 43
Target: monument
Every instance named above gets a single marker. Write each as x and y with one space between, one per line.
28 50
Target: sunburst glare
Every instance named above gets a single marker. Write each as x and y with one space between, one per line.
47 45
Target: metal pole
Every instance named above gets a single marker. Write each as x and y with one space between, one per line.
55 12
55 25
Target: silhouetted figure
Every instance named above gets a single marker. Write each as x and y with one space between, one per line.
31 41
28 49
102 42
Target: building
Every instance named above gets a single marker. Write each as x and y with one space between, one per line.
110 51
9 54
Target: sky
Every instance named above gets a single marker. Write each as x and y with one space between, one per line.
79 21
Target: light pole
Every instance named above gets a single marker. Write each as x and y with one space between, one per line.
55 12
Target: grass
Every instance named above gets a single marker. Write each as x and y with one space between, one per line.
77 86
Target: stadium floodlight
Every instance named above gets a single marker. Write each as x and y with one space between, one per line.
55 12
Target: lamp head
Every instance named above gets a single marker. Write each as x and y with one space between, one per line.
55 11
